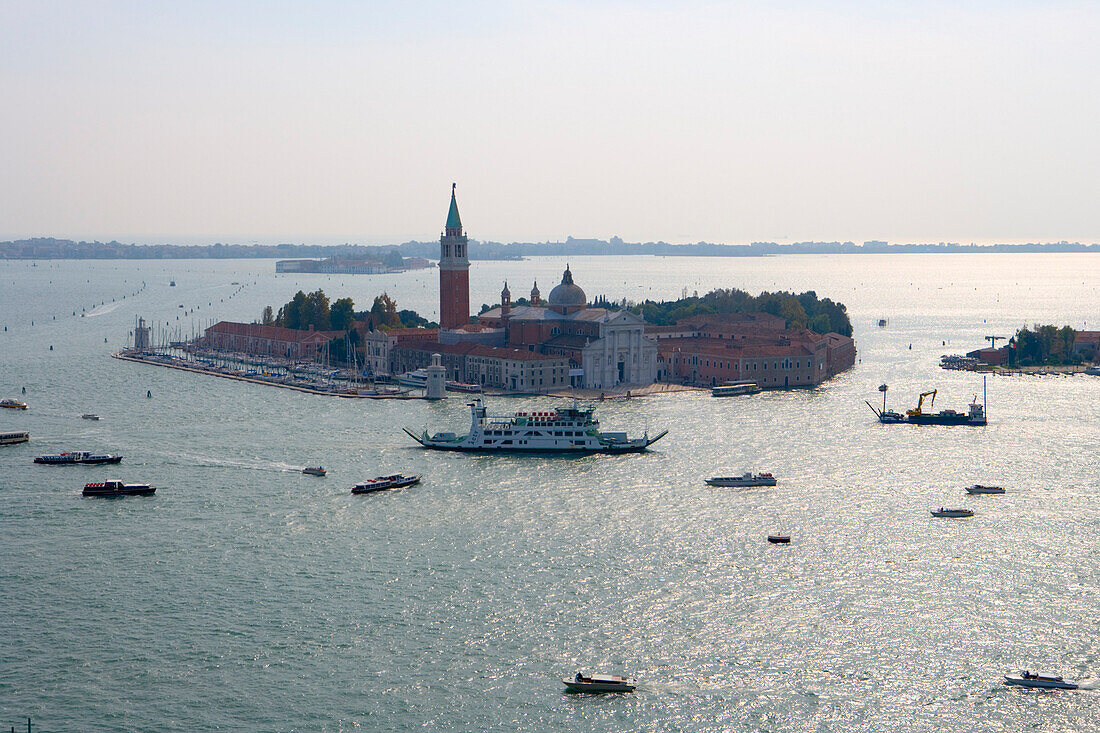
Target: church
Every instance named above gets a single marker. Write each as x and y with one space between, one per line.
605 348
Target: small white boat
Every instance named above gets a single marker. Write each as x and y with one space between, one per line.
746 479
314 470
952 513
1024 678
90 416
599 683
980 489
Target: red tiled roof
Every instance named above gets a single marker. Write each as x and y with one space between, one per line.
475 349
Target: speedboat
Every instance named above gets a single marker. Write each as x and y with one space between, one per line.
13 404
396 481
1024 678
117 488
314 470
599 683
779 539
90 416
979 489
747 479
953 513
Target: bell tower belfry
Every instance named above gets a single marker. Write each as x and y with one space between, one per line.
454 272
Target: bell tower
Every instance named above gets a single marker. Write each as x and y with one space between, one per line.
454 272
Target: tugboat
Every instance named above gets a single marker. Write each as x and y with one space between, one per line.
396 481
917 416
117 488
13 404
314 471
747 479
571 430
599 683
72 458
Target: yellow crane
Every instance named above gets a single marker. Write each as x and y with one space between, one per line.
920 403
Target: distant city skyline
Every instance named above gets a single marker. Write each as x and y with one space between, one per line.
731 123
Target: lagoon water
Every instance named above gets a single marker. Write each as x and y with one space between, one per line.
246 596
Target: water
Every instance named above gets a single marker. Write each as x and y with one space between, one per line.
246 596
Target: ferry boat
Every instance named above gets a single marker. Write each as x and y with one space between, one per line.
599 683
13 404
396 481
1025 678
573 429
117 488
73 457
979 489
463 387
734 389
746 479
20 436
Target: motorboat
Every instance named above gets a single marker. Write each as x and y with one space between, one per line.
599 683
779 539
980 489
314 470
70 458
13 404
952 513
90 416
381 483
746 479
19 436
1024 678
117 488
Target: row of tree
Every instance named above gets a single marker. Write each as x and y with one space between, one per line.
314 309
1044 345
805 310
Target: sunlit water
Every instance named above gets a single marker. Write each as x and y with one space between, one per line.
246 596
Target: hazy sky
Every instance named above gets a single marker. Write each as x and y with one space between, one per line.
732 122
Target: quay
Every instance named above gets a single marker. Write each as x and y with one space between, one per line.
174 363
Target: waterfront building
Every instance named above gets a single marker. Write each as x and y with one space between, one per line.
513 369
377 345
454 271
257 340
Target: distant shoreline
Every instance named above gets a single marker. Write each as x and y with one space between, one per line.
65 249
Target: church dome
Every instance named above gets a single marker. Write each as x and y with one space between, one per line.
567 295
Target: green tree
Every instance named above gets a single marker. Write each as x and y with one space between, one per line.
393 258
384 312
267 316
342 314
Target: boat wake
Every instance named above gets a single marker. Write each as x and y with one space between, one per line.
1088 684
101 310
251 465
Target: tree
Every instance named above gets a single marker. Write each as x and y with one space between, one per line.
384 311
342 314
267 316
290 315
393 259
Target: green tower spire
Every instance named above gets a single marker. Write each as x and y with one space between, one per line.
454 222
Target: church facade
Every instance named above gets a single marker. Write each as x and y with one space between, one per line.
606 349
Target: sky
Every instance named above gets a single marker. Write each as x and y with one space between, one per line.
329 122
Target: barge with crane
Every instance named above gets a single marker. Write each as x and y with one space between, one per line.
975 415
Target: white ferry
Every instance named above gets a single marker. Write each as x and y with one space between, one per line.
417 379
573 429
